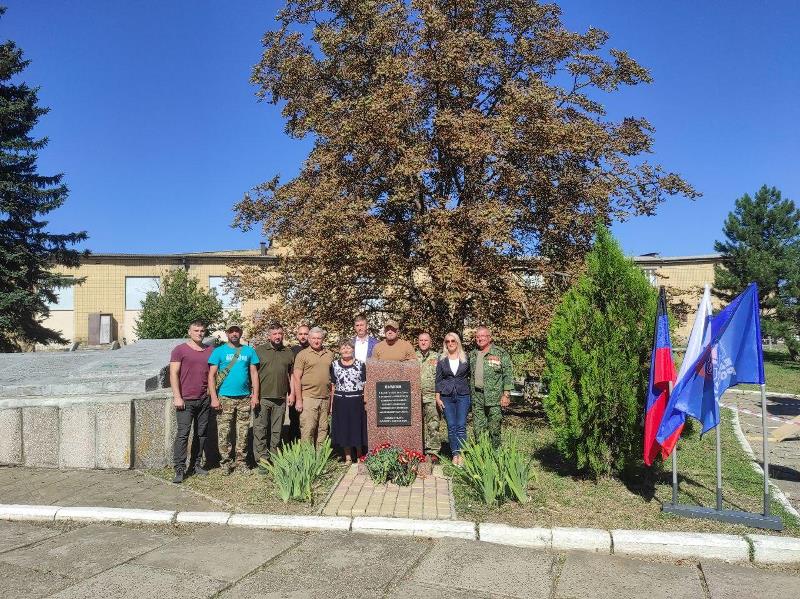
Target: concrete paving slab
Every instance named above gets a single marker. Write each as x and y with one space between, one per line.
128 581
107 488
19 534
742 582
86 551
624 578
18 583
330 565
217 552
487 568
11 439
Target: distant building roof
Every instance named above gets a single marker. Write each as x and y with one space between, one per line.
657 259
246 255
269 254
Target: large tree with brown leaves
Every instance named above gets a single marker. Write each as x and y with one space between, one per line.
454 140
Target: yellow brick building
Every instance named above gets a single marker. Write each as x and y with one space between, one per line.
684 278
115 285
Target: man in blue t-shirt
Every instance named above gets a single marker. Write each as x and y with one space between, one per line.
233 397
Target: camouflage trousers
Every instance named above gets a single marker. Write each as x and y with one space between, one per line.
430 416
233 423
486 417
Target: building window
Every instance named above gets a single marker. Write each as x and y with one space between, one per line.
533 280
651 275
65 298
137 288
228 298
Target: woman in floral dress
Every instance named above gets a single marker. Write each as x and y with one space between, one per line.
348 416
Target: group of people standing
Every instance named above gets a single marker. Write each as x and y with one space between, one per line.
308 387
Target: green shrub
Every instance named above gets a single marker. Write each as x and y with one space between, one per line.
180 299
296 466
496 474
597 362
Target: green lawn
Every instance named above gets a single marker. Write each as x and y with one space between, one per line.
561 497
256 493
782 373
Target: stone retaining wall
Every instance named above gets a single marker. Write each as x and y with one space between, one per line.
117 431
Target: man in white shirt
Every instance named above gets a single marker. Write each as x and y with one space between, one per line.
363 342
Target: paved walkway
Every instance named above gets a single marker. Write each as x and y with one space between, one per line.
106 561
784 455
97 488
427 498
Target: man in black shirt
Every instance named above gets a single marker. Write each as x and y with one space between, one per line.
293 432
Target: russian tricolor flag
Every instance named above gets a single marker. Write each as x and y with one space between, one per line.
699 341
662 373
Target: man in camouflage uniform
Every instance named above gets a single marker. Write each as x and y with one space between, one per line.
427 363
233 398
491 381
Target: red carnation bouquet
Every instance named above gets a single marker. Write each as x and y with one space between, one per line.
388 463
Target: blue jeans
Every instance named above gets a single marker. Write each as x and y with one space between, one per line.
456 408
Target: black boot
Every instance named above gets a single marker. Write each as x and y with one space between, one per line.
179 474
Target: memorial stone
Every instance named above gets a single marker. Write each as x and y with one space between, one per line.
394 405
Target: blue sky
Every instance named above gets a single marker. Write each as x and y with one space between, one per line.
158 131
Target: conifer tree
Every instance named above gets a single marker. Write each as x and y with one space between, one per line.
29 254
597 362
166 314
762 245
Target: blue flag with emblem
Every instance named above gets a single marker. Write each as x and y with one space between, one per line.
733 356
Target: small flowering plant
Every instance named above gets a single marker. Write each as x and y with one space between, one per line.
387 463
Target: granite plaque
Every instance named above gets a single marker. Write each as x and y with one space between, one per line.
393 398
393 403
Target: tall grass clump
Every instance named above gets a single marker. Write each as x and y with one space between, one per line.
295 467
496 475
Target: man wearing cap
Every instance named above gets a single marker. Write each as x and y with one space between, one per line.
312 376
233 387
392 347
492 380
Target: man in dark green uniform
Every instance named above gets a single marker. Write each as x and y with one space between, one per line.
430 413
275 375
491 379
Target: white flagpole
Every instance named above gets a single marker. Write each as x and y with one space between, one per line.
719 470
674 461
